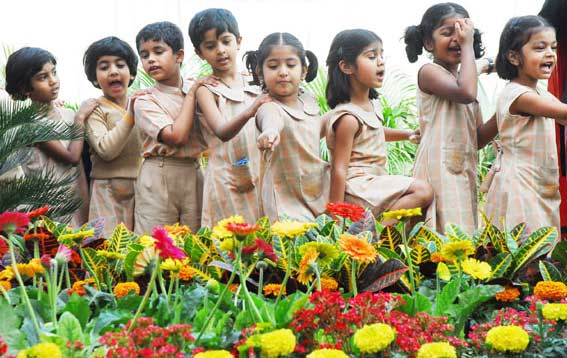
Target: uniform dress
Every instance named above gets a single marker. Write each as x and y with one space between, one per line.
447 159
40 161
525 187
295 180
368 183
169 188
115 155
231 184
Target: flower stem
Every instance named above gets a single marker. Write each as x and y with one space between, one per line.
317 276
410 265
287 274
353 270
144 299
260 282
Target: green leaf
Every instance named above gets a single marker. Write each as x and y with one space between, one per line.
419 303
10 329
79 307
378 276
425 234
120 240
501 264
455 233
538 243
69 328
285 309
95 263
419 254
469 300
560 253
446 298
390 238
549 272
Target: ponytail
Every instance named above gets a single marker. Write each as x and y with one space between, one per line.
250 58
413 39
313 66
477 44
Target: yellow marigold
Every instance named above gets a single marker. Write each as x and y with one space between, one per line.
32 268
358 249
290 228
227 244
220 232
437 350
277 343
177 230
123 288
214 354
78 286
511 339
7 274
477 269
305 270
510 294
555 311
41 350
111 255
437 257
329 283
174 265
550 290
401 214
327 252
457 250
6 285
146 241
273 289
327 353
374 338
186 273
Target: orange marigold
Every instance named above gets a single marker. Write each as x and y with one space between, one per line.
123 288
510 294
550 290
186 273
78 286
329 283
177 229
358 249
437 257
6 285
273 289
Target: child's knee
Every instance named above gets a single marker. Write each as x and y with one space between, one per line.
423 190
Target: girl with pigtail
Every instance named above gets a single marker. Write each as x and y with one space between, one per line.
451 123
294 178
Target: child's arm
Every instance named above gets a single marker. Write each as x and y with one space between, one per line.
270 123
222 129
462 89
72 154
486 133
536 105
394 135
345 128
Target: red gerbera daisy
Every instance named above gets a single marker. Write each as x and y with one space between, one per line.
346 210
13 221
262 247
165 246
241 229
3 248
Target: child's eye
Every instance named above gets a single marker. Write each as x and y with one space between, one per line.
227 42
210 47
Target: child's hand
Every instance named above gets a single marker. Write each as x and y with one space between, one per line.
268 140
260 100
87 107
132 100
415 136
209 80
464 29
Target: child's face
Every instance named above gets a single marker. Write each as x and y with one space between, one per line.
370 66
445 47
44 84
113 76
159 61
219 51
282 72
538 56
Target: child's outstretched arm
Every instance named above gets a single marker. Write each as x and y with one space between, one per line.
463 88
536 105
345 129
270 123
394 135
177 134
72 154
226 130
486 133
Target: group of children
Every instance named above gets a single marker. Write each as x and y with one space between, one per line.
262 130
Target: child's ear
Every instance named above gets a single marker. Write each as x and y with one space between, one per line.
429 45
179 56
345 68
238 42
514 58
199 53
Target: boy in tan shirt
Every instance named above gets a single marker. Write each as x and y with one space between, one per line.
168 189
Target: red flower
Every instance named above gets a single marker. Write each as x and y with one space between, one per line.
261 247
40 236
3 248
346 210
3 346
164 244
241 229
13 221
37 212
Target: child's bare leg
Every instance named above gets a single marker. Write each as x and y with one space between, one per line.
418 195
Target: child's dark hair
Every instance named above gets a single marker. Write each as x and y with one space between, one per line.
161 31
221 20
415 36
515 35
109 46
255 59
21 66
346 46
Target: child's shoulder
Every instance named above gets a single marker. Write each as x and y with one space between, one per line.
370 118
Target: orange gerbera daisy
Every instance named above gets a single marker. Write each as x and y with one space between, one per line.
357 249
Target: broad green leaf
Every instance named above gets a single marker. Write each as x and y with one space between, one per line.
443 272
120 240
549 272
446 298
455 233
538 243
390 238
419 254
69 328
560 253
10 329
93 262
501 264
79 307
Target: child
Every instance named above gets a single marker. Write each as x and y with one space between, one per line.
224 111
111 65
525 188
449 114
31 73
355 135
294 178
168 189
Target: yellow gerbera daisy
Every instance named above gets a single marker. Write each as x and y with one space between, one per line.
327 252
220 232
400 214
290 228
477 269
305 270
457 250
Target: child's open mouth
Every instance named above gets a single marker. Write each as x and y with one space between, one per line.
547 67
115 84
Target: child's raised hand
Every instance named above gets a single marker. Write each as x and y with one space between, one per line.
464 29
269 139
415 136
209 80
85 110
133 98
